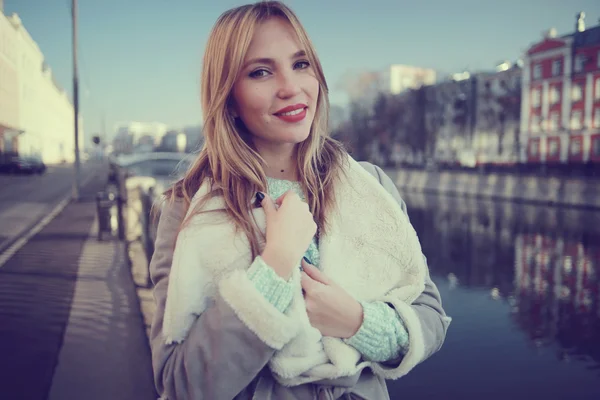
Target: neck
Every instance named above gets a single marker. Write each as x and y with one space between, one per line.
281 161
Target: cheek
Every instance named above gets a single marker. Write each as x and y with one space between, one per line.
313 88
252 100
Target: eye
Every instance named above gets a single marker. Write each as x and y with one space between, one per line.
259 73
301 65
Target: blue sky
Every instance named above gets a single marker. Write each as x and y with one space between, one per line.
140 59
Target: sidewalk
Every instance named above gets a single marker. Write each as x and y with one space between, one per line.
70 321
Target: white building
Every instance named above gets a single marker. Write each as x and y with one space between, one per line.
397 78
366 86
9 88
134 137
40 109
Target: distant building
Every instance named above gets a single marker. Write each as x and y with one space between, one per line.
395 79
36 115
194 138
560 113
399 78
495 136
9 88
475 117
173 141
138 137
450 117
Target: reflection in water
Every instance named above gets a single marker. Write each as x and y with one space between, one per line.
543 262
556 290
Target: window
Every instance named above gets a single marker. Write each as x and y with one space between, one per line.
535 97
553 148
554 121
596 147
576 120
575 147
535 123
556 67
554 95
576 92
598 59
579 62
597 89
537 71
597 118
533 148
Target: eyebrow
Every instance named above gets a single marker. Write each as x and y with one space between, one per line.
270 61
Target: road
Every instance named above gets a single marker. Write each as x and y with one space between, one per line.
26 199
70 322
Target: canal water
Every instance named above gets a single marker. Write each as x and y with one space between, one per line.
521 283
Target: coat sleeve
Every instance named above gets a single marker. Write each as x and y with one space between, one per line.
427 307
220 356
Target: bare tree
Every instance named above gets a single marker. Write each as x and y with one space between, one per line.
355 133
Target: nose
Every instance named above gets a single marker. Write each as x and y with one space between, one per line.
289 85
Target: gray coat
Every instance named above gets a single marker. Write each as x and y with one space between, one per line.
223 359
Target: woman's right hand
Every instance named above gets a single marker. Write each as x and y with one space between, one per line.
290 229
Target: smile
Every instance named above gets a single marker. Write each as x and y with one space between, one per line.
295 112
291 114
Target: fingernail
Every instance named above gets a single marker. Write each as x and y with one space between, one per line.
306 259
259 198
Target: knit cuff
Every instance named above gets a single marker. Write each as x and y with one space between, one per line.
382 335
274 288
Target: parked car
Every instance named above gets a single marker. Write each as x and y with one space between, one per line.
37 165
23 165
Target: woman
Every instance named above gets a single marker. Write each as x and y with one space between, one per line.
283 269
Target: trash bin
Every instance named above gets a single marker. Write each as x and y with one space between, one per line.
105 201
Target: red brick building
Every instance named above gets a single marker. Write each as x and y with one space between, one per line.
560 109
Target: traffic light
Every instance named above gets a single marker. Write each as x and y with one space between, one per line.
96 139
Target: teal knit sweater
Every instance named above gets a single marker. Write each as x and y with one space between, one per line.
382 335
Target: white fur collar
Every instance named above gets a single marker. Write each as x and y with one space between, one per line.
371 250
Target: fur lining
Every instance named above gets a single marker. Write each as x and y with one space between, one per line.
416 349
370 249
271 326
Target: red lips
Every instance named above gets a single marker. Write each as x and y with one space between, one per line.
291 108
292 118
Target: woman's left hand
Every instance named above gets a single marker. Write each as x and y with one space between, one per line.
330 308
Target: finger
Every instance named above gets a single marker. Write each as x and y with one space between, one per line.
306 281
304 262
314 273
268 205
306 265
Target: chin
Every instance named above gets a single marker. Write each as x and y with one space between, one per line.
290 137
297 139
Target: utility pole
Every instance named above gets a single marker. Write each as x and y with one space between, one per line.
77 183
103 135
104 127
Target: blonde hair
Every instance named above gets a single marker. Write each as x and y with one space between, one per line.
228 161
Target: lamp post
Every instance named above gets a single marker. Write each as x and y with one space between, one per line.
77 183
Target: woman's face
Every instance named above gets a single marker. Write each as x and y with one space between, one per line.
276 92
